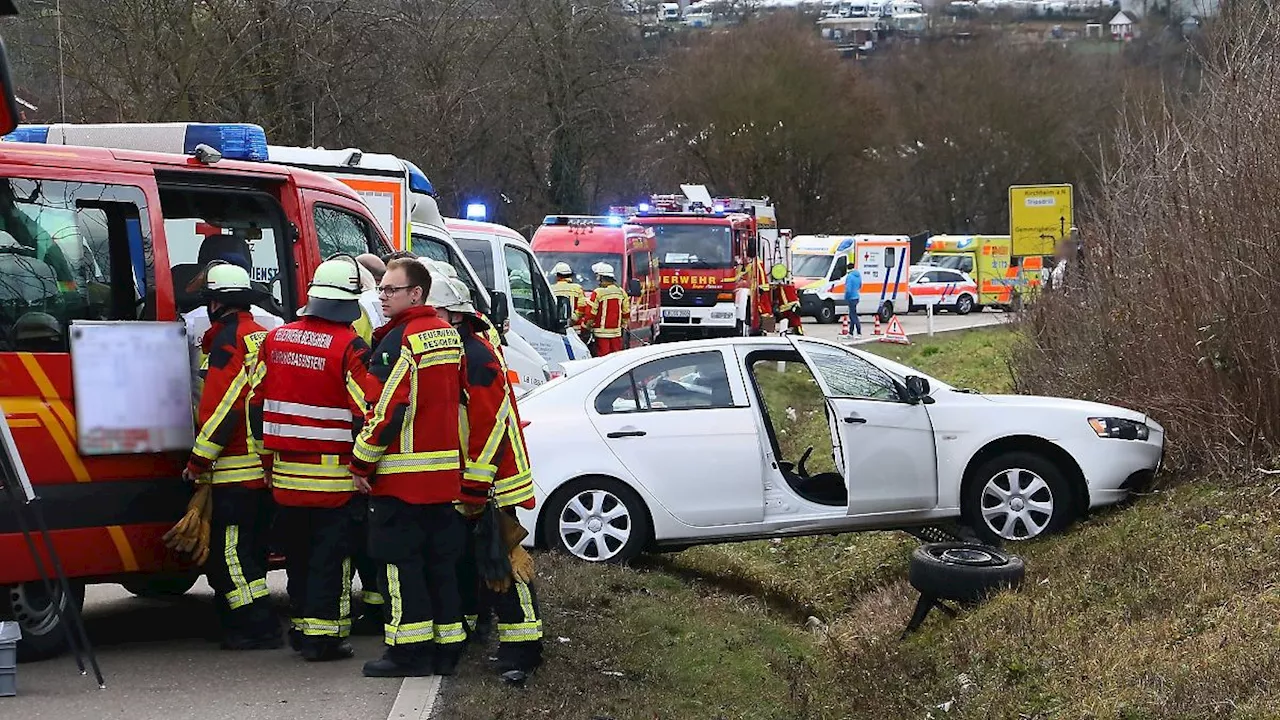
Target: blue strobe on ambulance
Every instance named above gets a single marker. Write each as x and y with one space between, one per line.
819 264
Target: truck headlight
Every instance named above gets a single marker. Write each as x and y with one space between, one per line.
1119 428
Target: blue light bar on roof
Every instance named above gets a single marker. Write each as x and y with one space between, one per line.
236 141
477 211
28 133
844 245
418 181
614 220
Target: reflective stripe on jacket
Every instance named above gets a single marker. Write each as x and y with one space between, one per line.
222 445
609 309
496 455
413 434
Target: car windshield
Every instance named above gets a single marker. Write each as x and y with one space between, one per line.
702 246
916 273
952 262
810 266
581 263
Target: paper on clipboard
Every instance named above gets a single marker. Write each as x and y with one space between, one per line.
11 450
132 383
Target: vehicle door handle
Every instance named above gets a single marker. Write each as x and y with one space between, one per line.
856 419
626 433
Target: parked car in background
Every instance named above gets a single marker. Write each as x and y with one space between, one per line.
672 445
943 289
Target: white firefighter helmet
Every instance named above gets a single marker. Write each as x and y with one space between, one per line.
438 267
562 269
603 269
445 293
334 290
463 293
224 278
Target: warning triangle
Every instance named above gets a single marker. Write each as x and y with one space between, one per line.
894 333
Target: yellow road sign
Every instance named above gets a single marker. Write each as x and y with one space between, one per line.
1039 216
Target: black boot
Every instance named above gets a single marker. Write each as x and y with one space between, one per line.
401 661
447 658
517 661
295 639
370 622
326 649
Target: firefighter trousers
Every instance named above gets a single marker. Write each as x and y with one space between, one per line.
366 567
317 544
237 565
607 345
519 619
420 546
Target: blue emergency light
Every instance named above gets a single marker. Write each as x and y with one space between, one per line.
418 181
718 208
28 133
236 141
643 207
477 211
844 245
614 220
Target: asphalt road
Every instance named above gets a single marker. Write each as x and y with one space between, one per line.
159 665
915 324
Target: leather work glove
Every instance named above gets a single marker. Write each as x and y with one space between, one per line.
512 531
470 511
521 565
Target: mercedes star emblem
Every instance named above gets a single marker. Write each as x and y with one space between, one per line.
676 292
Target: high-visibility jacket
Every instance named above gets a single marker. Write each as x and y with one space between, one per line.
576 295
306 405
764 303
222 446
497 458
412 436
609 309
789 298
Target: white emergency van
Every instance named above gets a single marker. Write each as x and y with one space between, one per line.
819 264
505 262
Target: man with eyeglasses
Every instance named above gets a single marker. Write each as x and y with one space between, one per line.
409 458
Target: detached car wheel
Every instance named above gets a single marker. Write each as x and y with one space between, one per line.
43 630
885 312
963 572
597 520
1017 496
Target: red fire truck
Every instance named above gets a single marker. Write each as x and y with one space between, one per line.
714 255
96 234
582 241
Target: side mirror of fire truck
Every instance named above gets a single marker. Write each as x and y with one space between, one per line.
633 288
9 115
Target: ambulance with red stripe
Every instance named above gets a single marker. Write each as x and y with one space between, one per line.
942 289
115 235
1003 280
819 264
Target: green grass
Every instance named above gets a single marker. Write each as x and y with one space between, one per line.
974 359
1168 608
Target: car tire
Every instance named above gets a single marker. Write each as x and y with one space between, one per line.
964 304
885 313
161 585
988 498
44 631
963 572
826 313
580 515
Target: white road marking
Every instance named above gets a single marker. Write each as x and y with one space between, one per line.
417 698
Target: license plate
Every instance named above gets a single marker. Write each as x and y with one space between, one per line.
677 313
721 316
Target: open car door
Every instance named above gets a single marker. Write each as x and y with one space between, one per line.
883 445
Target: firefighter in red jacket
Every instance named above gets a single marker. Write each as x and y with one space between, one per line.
609 309
497 465
412 440
787 301
237 565
306 406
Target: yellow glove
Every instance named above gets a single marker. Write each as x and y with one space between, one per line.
521 565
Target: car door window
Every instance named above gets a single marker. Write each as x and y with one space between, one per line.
683 382
530 293
434 249
848 376
841 268
70 251
339 231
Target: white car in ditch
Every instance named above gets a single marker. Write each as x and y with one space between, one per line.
677 444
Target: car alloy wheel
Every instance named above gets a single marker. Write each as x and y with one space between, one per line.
964 305
595 525
1017 504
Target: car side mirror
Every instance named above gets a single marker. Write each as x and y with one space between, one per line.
498 310
633 288
564 310
918 390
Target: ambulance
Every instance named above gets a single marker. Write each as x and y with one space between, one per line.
819 264
1003 280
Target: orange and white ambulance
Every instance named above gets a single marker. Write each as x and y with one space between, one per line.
819 264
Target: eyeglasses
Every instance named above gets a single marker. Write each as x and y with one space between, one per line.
389 290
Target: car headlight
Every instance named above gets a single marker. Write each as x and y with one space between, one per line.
1119 428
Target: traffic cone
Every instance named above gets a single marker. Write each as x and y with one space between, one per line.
844 326
876 329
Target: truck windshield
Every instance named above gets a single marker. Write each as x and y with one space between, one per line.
810 266
581 263
699 246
